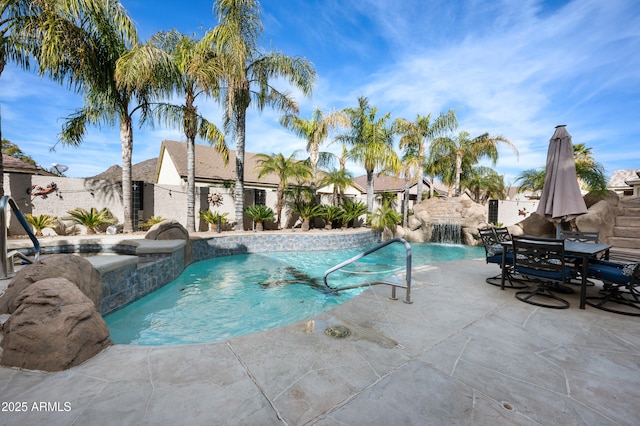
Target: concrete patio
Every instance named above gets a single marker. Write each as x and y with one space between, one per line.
463 353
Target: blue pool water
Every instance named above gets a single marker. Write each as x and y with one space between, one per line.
230 296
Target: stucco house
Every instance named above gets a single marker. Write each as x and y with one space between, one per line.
625 182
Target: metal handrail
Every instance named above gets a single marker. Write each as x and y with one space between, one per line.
7 258
407 284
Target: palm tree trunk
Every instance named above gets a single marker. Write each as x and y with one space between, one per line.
239 189
405 207
190 129
126 139
420 187
369 191
191 185
279 205
458 173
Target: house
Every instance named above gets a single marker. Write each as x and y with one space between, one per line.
625 182
386 184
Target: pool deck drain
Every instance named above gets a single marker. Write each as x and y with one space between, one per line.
462 353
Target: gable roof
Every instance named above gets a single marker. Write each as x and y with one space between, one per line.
12 164
209 164
619 178
144 171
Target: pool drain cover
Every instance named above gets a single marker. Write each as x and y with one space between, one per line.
337 332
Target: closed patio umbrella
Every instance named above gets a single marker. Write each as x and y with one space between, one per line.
561 199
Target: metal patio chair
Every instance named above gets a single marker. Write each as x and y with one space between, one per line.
621 290
493 254
541 261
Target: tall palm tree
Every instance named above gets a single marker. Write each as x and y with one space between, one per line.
192 71
485 183
419 134
247 73
315 131
465 149
410 169
339 179
371 139
286 168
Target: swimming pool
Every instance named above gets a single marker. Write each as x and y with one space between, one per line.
229 296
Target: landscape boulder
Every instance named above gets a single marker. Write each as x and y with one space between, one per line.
54 327
171 230
74 268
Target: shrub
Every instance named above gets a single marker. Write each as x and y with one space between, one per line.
260 213
212 217
40 222
385 217
151 221
93 219
331 213
353 210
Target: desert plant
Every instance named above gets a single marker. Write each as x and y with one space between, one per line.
92 218
212 217
152 221
306 211
260 214
352 211
40 222
331 214
385 217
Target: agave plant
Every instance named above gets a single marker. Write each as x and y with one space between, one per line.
92 218
40 222
260 214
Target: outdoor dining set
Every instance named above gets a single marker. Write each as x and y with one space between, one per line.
541 270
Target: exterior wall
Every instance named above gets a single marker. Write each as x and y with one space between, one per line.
72 193
168 173
511 212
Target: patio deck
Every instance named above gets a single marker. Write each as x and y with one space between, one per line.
463 353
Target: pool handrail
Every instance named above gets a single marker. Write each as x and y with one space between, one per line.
7 257
406 285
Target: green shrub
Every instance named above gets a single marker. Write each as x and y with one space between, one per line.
93 219
259 213
212 217
353 210
151 221
40 222
385 217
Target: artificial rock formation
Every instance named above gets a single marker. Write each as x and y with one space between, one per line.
468 214
171 230
54 327
76 269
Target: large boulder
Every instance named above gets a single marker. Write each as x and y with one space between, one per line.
171 230
74 268
54 327
601 217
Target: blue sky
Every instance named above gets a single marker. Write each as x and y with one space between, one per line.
514 68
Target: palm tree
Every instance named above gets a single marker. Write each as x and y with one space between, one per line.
485 183
191 70
315 131
419 134
465 149
286 168
339 179
59 36
246 77
371 139
411 169
531 179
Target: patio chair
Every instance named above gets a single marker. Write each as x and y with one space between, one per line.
582 237
620 293
541 261
493 254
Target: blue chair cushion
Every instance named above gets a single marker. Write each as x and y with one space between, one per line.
547 275
497 258
609 271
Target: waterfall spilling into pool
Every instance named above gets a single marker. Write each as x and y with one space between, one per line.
446 231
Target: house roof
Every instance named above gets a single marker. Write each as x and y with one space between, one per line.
15 165
210 166
144 171
386 183
619 178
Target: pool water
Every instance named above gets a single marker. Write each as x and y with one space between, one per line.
229 296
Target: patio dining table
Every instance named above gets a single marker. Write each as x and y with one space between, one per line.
572 249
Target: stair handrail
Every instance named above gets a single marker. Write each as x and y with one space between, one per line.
7 261
407 284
